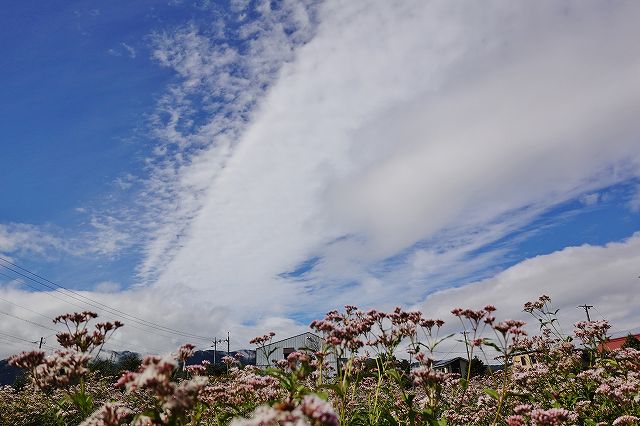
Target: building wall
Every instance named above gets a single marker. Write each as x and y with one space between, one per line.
525 361
459 366
295 343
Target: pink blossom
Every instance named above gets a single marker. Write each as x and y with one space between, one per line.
110 414
551 417
626 420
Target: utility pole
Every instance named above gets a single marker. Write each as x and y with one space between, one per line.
215 346
41 342
586 309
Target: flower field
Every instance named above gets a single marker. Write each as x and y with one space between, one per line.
574 381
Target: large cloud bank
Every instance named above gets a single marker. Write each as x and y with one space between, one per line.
394 143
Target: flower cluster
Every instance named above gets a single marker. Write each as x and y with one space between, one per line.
78 338
311 411
371 368
54 371
156 376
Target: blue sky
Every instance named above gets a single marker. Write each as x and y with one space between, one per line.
262 162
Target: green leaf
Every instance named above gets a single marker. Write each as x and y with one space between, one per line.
394 375
493 345
334 387
492 393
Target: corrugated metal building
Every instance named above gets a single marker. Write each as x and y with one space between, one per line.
456 365
282 348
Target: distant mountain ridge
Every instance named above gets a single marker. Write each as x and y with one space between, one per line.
8 373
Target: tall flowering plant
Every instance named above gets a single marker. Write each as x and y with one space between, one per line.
357 377
67 369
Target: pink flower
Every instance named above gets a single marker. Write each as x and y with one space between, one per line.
229 360
27 360
185 351
311 410
625 421
110 414
516 421
551 417
196 370
318 410
262 340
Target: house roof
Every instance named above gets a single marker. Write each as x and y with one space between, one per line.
293 337
440 362
445 362
616 343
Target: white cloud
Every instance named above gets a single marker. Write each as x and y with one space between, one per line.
103 237
392 142
590 199
107 287
164 309
224 71
406 122
604 276
25 239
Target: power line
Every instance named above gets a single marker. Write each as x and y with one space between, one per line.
23 339
29 321
26 309
20 280
5 340
98 305
51 329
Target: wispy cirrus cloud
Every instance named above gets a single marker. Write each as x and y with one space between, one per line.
223 70
309 156
25 239
103 236
452 139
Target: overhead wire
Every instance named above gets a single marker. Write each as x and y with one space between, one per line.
6 341
91 302
83 307
16 269
24 340
28 321
153 350
25 308
614 330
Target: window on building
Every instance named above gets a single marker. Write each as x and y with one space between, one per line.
287 351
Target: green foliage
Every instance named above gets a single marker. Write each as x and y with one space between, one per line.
631 342
478 367
378 388
129 362
104 367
